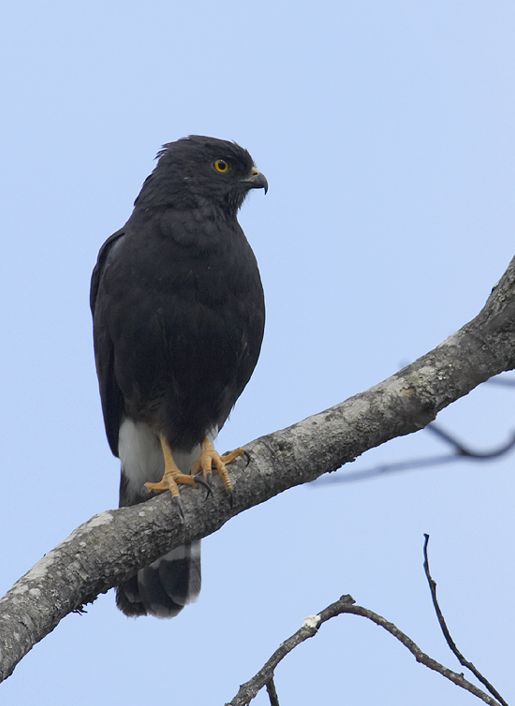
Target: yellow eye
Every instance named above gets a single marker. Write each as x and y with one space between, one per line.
221 166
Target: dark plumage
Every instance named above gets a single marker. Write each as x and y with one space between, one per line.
178 317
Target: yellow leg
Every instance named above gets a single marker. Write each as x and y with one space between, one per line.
173 476
210 459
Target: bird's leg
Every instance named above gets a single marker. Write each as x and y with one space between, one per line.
172 476
210 459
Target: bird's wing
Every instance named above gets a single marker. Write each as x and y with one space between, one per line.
110 393
99 267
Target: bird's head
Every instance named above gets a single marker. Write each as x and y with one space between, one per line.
197 171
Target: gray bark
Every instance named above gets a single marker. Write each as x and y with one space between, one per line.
111 546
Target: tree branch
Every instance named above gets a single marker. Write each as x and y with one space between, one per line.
446 632
346 605
272 692
113 545
460 453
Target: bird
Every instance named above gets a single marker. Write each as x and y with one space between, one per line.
178 320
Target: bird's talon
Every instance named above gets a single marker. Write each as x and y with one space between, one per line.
178 503
210 460
204 483
170 481
232 456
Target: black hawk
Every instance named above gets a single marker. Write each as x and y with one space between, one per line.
178 317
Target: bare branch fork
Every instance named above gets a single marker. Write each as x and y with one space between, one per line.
346 605
113 545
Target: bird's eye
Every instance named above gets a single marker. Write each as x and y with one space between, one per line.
221 166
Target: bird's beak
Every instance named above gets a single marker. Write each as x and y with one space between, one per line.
256 180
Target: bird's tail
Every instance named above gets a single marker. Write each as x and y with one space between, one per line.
170 582
163 588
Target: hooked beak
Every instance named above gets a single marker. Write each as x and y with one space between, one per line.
256 180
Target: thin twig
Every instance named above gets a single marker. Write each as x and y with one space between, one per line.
502 381
466 451
461 452
346 604
272 692
446 633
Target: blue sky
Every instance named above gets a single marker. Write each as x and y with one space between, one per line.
386 134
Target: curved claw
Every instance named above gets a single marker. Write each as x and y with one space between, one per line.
204 483
247 457
176 499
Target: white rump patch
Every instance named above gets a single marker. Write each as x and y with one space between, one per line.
140 454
